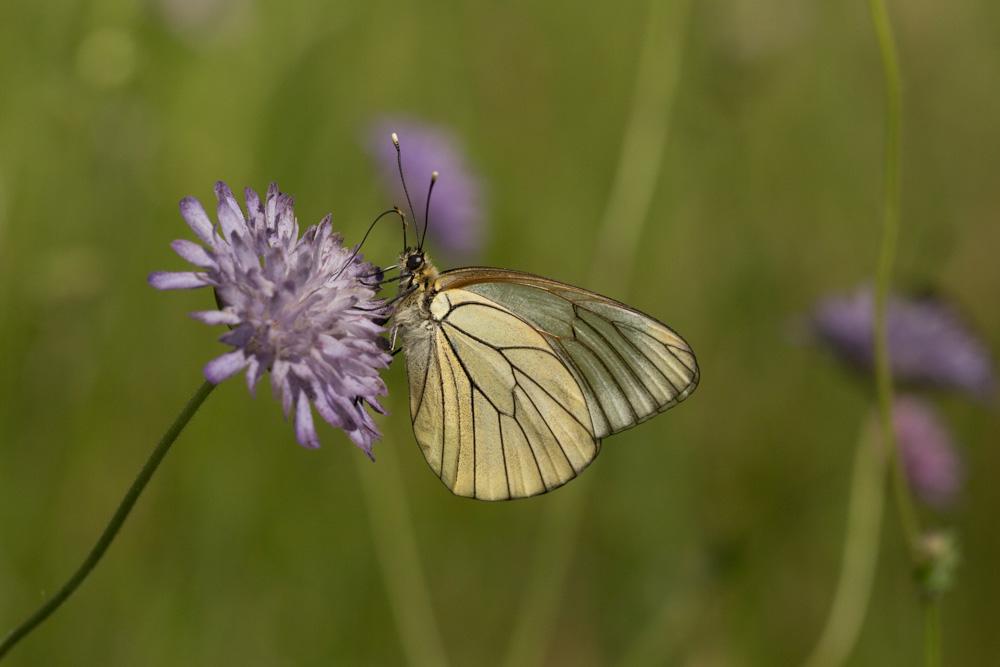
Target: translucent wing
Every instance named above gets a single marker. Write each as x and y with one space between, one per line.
495 411
522 376
628 365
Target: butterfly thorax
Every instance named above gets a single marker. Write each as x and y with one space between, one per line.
417 287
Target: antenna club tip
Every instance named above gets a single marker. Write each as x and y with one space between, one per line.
434 175
395 139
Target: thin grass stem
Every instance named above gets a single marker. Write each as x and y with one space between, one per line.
636 178
398 557
886 259
908 519
860 556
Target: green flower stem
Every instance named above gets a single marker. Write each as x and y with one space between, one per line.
636 178
861 548
883 375
887 256
111 530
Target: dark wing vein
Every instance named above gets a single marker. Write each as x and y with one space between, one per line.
458 416
545 391
503 450
656 367
618 354
485 305
531 447
465 370
546 421
423 392
583 378
667 347
512 365
472 396
604 364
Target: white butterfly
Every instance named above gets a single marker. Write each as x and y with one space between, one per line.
514 378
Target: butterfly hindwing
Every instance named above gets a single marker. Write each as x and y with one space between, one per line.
495 411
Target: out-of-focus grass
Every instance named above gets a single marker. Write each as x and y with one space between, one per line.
248 549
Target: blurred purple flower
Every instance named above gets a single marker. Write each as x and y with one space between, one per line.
928 453
297 307
929 344
457 222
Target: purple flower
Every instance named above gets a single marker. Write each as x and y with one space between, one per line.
297 307
928 454
456 214
929 344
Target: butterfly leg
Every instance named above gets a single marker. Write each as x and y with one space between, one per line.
392 341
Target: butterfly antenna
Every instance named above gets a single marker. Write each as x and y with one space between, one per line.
427 209
402 217
364 238
402 179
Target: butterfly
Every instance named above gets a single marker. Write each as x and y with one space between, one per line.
515 379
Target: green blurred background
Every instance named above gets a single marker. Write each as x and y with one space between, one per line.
723 519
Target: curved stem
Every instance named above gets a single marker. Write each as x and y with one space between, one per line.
636 178
861 547
883 373
887 256
111 530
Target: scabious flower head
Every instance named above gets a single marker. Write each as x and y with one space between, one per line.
928 453
929 344
298 307
457 221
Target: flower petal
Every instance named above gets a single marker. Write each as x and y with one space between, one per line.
213 317
305 431
285 217
930 460
270 205
230 216
364 438
192 252
239 336
255 371
255 213
929 343
227 365
196 218
177 280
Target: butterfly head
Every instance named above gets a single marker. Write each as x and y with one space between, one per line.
416 269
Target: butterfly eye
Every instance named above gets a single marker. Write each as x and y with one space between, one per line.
414 262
